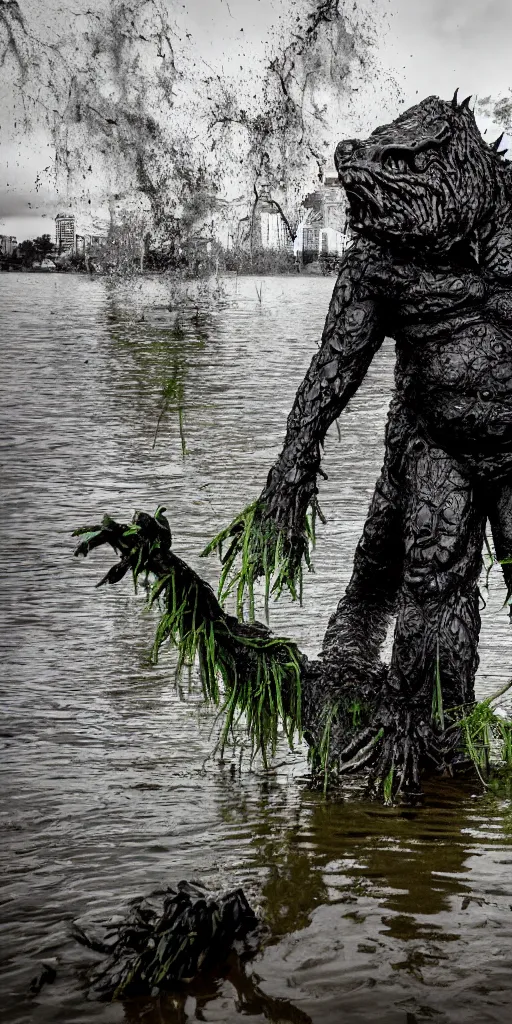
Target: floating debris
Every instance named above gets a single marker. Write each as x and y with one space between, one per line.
169 937
45 976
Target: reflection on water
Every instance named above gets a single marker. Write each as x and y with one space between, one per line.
388 914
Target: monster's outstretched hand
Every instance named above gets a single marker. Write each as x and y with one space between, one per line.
273 537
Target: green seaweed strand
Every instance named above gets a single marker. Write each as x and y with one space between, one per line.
263 550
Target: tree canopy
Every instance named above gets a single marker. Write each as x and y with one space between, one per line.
140 123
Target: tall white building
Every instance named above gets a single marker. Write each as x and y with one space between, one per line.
8 243
323 230
65 232
273 231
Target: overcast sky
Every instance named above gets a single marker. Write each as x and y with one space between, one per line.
431 45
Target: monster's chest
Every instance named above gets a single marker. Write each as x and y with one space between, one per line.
425 296
453 329
451 307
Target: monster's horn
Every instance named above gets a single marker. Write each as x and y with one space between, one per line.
454 100
465 103
497 143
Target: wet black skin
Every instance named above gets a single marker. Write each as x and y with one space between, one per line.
432 268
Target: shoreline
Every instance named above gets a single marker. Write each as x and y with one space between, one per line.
310 270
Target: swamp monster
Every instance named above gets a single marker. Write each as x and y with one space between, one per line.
431 267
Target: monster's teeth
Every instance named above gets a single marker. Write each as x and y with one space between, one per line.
372 197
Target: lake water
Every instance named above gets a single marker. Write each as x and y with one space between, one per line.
109 791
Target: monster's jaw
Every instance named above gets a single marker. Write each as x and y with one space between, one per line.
386 201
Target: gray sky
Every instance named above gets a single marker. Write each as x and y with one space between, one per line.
431 45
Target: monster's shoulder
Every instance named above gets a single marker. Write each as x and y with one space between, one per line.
372 271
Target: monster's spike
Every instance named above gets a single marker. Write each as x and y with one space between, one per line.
454 100
465 102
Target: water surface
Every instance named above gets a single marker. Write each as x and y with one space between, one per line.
108 785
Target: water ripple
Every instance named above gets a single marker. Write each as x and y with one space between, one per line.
110 790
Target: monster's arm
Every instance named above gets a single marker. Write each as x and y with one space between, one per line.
354 330
273 534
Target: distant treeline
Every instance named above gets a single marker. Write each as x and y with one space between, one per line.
240 260
189 261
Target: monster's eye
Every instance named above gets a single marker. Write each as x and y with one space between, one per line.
422 160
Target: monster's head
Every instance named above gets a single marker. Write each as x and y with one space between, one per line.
425 181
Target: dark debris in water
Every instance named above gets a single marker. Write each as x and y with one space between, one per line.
45 976
168 938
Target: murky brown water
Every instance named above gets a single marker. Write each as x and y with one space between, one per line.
377 914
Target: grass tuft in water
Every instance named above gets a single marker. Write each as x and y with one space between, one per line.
172 396
486 737
246 672
387 787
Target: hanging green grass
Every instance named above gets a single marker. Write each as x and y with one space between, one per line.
246 672
486 737
320 755
262 549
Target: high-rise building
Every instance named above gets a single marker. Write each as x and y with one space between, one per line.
65 232
8 244
323 230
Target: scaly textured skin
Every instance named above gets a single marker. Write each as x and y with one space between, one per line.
432 268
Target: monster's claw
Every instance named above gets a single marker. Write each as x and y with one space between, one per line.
394 750
356 743
365 755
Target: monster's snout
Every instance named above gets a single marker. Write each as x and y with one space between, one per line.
344 152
